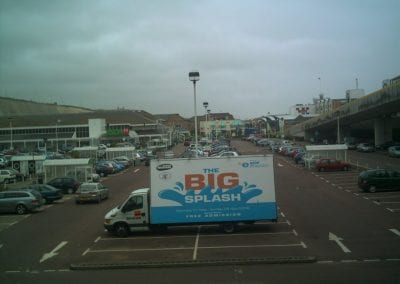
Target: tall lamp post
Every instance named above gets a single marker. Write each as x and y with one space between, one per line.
11 133
208 116
57 122
338 127
194 76
205 105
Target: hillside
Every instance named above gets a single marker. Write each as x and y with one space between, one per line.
16 107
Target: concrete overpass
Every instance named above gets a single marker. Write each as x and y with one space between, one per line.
372 118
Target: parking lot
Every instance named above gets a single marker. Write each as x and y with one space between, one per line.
347 181
200 243
313 206
8 220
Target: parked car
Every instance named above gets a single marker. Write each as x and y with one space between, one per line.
311 160
332 165
379 179
351 146
102 147
104 168
48 192
226 154
7 176
263 142
3 162
124 160
20 201
91 191
94 178
18 176
394 151
365 147
66 184
118 166
299 158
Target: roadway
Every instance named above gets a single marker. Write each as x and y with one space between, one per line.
350 236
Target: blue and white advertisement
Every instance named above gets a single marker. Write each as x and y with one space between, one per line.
212 190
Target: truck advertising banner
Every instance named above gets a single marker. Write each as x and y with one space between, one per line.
212 190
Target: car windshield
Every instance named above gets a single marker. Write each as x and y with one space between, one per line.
88 187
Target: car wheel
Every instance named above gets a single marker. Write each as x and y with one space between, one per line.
21 209
77 202
372 188
99 199
345 168
121 230
321 169
70 191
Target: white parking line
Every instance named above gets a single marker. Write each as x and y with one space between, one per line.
136 250
249 234
257 246
196 244
395 231
382 197
135 171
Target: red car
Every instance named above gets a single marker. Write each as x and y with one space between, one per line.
331 165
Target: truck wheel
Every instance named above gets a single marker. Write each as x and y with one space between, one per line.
121 230
228 228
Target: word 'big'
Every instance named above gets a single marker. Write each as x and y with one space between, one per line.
200 181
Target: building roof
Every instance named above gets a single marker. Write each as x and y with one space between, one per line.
66 162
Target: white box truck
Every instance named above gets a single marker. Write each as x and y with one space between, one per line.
224 191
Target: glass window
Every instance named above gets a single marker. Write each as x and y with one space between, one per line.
135 202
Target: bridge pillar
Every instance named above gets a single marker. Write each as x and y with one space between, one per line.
383 130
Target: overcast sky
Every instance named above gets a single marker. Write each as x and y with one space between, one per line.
254 57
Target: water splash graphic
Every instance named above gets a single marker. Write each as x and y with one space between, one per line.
238 194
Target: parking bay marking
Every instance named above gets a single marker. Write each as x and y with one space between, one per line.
54 252
301 244
395 231
333 237
191 236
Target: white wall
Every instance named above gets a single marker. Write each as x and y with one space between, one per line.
97 127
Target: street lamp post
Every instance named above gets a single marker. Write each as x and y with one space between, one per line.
205 105
209 132
338 127
11 133
194 76
57 122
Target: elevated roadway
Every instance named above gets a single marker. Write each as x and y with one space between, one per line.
374 118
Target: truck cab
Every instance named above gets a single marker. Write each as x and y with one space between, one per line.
131 215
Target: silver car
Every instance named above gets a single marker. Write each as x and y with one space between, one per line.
91 191
20 201
394 151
